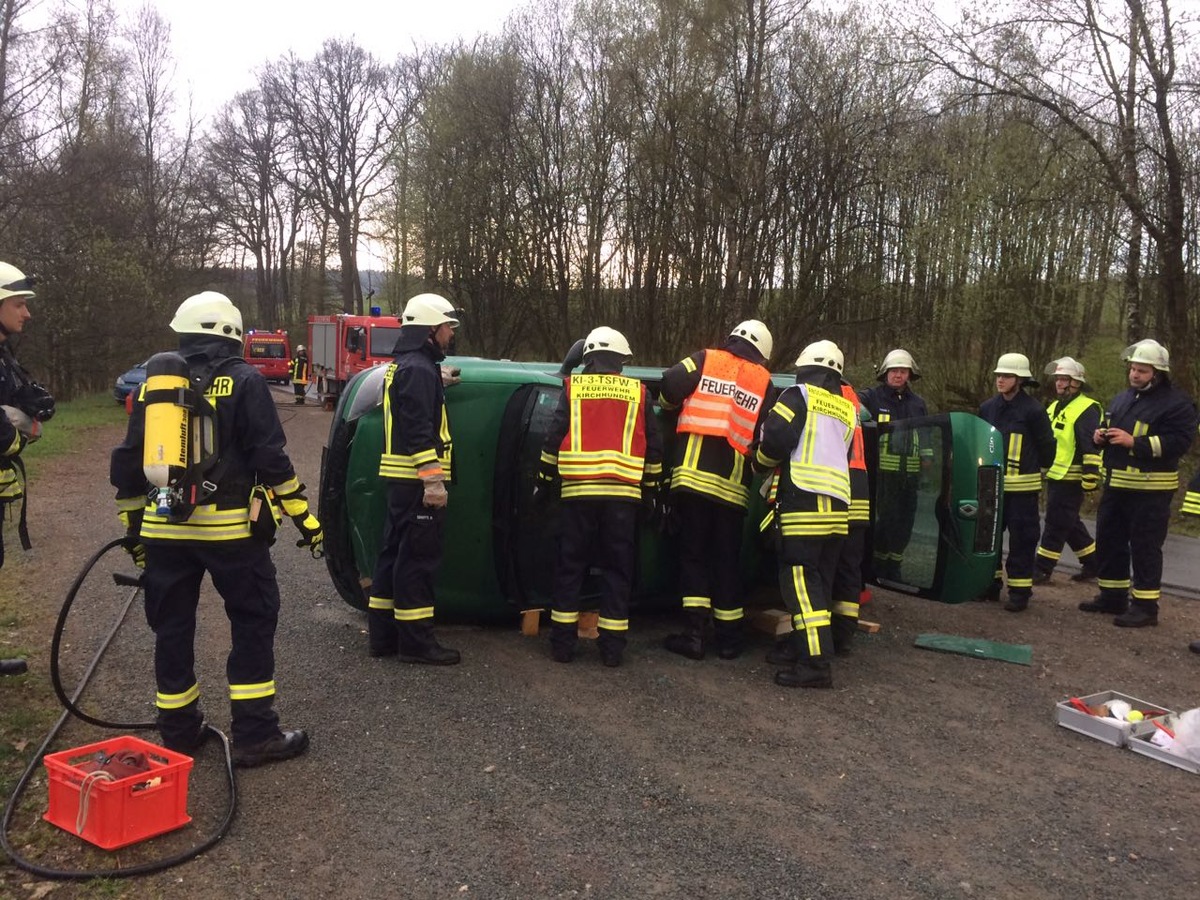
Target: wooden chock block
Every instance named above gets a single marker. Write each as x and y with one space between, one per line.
589 623
868 627
772 621
531 620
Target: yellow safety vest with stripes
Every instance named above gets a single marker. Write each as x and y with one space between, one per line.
1069 459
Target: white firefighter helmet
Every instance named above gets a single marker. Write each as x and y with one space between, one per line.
1013 364
898 359
429 309
1148 353
822 353
208 312
13 282
605 338
1072 368
301 348
757 334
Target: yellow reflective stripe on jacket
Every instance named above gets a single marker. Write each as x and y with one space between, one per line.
1064 467
890 461
252 691
206 523
11 487
689 475
404 466
602 489
1191 503
1016 481
1133 480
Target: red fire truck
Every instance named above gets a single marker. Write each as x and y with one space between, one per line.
340 346
270 353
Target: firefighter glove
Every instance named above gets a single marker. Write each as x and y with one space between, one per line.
434 480
295 503
313 536
132 520
451 375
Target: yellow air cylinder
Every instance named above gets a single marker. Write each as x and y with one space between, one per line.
167 415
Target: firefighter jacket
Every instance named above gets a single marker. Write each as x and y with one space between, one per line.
416 428
1191 500
603 441
860 483
1073 422
1162 420
301 370
11 440
711 460
1029 444
249 443
897 452
808 435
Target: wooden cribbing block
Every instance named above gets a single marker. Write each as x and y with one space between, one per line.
531 620
868 627
772 621
589 623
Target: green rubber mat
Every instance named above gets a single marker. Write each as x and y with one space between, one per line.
981 648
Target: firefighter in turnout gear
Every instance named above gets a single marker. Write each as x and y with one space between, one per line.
24 406
808 436
417 461
301 374
604 445
212 529
722 396
1074 418
1145 432
1029 448
900 460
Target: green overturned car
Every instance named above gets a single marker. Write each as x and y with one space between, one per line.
500 550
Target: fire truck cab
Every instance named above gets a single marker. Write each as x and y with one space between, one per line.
342 345
270 352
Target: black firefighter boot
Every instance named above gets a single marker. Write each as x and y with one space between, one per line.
1087 570
418 645
383 638
844 628
563 638
690 642
1112 602
1139 615
729 638
783 653
808 671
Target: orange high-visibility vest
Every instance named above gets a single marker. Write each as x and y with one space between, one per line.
727 401
858 455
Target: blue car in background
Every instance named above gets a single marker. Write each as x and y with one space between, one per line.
129 381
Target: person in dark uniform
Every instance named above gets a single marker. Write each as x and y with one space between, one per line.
898 473
1074 417
26 405
1029 448
1146 431
807 437
417 463
301 374
604 445
177 541
723 395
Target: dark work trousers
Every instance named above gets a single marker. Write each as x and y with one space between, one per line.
1063 526
710 541
806 571
1131 526
847 585
244 576
405 571
895 512
601 533
1024 525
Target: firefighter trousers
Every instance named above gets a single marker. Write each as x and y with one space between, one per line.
244 576
1131 527
400 609
807 567
1064 527
710 541
600 533
1024 525
895 512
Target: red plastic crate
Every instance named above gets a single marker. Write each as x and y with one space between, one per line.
122 812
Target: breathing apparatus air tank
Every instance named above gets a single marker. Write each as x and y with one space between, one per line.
168 417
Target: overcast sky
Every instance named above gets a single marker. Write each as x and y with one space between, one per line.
219 43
